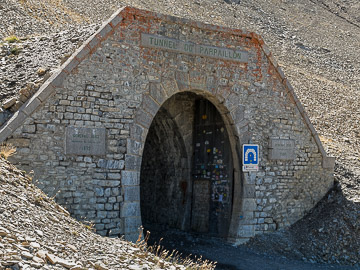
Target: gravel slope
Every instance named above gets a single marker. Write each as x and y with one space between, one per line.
37 233
315 41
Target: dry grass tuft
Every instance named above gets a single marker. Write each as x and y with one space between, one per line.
7 150
174 257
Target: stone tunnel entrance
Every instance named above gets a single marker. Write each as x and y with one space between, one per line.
187 169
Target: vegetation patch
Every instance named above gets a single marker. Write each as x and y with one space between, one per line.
12 39
7 150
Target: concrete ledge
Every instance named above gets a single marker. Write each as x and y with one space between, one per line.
82 52
104 32
5 133
116 18
58 78
71 64
12 124
45 91
328 163
30 106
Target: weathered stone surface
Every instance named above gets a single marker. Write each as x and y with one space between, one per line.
124 93
282 149
85 141
8 103
130 178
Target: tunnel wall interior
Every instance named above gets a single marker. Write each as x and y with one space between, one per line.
164 170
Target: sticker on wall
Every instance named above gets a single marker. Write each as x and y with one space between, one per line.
250 157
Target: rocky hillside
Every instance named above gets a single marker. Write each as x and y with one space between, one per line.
35 232
315 41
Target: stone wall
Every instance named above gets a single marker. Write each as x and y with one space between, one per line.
116 82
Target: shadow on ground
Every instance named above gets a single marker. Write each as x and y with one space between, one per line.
226 255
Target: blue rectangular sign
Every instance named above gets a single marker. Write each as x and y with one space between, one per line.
250 157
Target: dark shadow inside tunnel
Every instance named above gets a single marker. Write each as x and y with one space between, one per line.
186 179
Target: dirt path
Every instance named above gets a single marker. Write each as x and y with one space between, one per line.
229 257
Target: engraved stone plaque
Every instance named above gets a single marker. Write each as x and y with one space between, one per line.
85 141
171 44
283 149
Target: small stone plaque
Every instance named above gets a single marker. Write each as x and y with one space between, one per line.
85 141
283 149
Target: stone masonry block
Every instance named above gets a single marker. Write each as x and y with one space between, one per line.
157 93
108 183
138 133
143 118
246 231
130 209
150 105
115 231
134 147
238 114
249 191
249 204
111 164
132 162
131 237
132 193
170 87
132 224
130 178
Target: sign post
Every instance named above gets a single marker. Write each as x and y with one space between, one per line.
250 157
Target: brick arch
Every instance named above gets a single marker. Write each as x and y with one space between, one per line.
232 115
